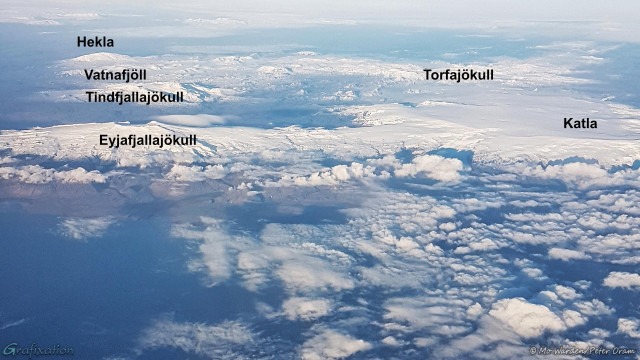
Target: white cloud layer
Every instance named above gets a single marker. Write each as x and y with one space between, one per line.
301 276
630 327
220 341
459 264
35 174
432 166
83 228
330 344
305 308
622 279
526 319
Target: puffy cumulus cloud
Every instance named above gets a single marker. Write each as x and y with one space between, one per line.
304 238
527 203
615 247
534 273
506 331
7 160
582 175
330 344
390 216
79 175
566 292
630 327
567 254
475 204
447 226
400 230
535 238
596 221
627 260
432 166
526 319
391 341
599 333
81 229
438 316
549 297
601 221
35 174
483 245
30 174
392 278
528 217
594 307
623 280
196 173
312 275
627 202
220 341
573 318
474 311
305 308
333 176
